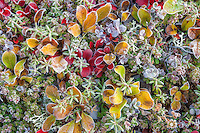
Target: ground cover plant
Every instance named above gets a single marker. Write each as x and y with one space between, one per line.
109 66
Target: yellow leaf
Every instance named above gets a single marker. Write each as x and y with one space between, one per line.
109 58
90 20
121 48
116 109
81 13
26 78
112 16
171 29
87 122
144 16
103 11
172 7
135 90
106 94
19 67
74 30
16 48
125 16
186 86
173 90
117 97
77 128
32 42
52 93
9 59
175 105
49 49
178 96
119 69
48 123
67 128
145 99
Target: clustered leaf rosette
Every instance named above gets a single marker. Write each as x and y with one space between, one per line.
116 97
17 71
60 109
179 96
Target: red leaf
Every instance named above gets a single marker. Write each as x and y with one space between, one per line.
91 44
144 2
99 43
111 66
98 60
87 54
33 5
21 2
101 66
106 49
6 12
23 14
79 53
64 21
40 131
195 131
69 60
85 71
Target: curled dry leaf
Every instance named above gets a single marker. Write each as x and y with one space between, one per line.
117 97
116 109
171 29
87 122
109 58
9 59
121 48
39 15
78 117
110 83
145 99
106 94
52 93
49 49
195 46
90 20
59 64
81 13
48 123
67 128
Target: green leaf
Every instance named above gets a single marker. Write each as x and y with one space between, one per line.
187 23
9 59
144 16
172 7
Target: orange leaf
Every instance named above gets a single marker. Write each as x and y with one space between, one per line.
32 42
47 40
74 30
171 29
173 90
77 128
109 58
49 49
81 13
59 64
87 122
121 48
112 16
103 11
52 93
145 99
62 113
116 109
106 94
194 32
125 16
39 15
49 107
90 20
195 46
16 48
175 105
48 123
75 91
